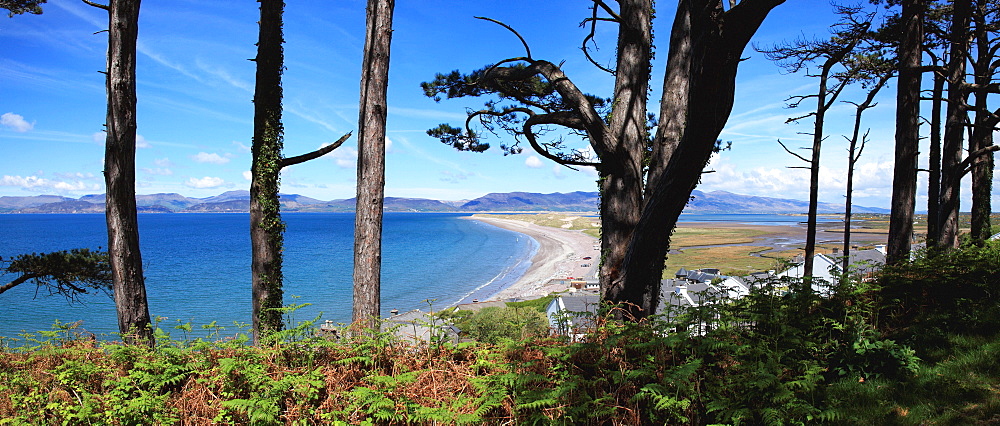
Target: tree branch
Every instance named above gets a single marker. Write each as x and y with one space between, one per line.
797 155
18 281
551 119
285 162
527 50
97 5
971 161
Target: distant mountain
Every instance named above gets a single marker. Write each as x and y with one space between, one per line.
529 201
229 206
71 206
727 202
14 203
239 201
228 196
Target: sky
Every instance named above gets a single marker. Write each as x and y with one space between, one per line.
195 86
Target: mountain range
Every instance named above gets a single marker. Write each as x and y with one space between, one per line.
239 202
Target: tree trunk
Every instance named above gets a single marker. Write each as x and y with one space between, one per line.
717 40
904 178
954 134
934 163
621 171
371 162
119 175
821 107
982 133
266 226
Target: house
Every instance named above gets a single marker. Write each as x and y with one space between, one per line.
417 326
572 314
827 268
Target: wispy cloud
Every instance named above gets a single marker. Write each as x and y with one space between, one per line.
533 162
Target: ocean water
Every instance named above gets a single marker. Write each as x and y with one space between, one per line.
197 266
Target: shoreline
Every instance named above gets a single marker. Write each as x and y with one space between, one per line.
560 255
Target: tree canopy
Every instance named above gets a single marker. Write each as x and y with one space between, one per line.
68 273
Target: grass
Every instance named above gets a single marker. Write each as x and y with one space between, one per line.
730 260
690 237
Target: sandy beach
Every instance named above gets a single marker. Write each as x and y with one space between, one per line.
561 252
560 255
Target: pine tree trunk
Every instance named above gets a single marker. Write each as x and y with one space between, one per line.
717 40
371 163
934 163
119 174
904 178
621 174
266 226
954 131
982 133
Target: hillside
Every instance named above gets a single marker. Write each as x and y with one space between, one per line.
239 201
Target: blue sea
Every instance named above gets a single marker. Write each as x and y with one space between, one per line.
197 266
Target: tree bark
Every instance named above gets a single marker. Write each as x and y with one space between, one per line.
934 163
621 170
717 39
853 153
371 163
904 178
954 131
119 174
982 133
266 226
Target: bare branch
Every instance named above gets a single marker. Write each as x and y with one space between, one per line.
550 119
974 157
97 5
797 155
590 36
285 162
527 50
608 9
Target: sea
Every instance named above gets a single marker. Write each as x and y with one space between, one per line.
197 266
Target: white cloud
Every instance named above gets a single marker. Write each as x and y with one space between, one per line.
163 162
247 175
99 137
388 145
345 156
158 171
36 182
557 171
205 182
241 147
141 142
533 162
204 157
15 122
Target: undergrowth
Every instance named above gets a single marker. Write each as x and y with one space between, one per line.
872 353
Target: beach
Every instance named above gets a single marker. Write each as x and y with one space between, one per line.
561 252
560 255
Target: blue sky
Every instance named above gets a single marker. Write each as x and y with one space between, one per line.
195 85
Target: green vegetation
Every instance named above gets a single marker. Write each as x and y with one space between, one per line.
917 346
731 260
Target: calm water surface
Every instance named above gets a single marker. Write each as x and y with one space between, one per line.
197 266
